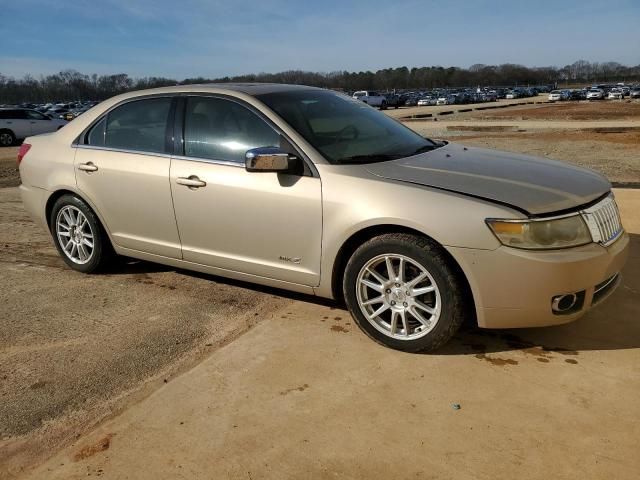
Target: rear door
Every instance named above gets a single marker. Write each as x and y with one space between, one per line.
263 224
122 166
39 123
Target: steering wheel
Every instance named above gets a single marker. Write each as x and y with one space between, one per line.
349 132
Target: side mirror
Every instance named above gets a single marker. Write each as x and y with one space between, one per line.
268 159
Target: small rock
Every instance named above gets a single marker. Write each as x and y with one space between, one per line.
456 406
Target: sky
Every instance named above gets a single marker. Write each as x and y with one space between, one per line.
214 38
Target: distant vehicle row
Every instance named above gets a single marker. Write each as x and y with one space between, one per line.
596 93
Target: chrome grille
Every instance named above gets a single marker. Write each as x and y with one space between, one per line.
603 221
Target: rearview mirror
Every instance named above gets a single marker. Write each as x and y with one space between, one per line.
268 159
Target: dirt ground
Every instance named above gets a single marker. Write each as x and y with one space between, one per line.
596 110
8 172
76 348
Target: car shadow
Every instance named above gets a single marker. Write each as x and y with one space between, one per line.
132 266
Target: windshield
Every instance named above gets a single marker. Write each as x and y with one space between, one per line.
345 130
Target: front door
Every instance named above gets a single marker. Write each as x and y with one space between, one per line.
263 224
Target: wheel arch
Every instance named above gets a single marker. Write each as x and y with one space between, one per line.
68 191
13 134
363 235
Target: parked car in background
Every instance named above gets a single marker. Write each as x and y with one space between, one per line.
412 101
512 94
615 94
19 123
395 100
427 101
423 240
556 96
446 100
578 94
372 98
634 92
595 94
56 112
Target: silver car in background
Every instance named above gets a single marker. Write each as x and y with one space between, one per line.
312 191
19 123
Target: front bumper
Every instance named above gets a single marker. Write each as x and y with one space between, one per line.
514 288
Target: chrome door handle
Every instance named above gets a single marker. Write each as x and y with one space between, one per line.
87 167
191 182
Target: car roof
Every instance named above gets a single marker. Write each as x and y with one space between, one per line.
252 89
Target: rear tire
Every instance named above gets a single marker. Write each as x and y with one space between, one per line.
79 236
393 311
7 138
383 106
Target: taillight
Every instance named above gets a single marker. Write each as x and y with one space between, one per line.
24 148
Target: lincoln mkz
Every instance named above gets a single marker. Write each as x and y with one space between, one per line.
309 190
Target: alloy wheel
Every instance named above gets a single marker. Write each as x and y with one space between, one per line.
398 296
74 234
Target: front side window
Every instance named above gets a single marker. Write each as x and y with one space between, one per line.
345 130
139 125
219 129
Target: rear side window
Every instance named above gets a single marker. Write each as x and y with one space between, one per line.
139 125
219 129
14 114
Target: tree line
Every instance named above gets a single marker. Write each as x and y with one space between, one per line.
71 85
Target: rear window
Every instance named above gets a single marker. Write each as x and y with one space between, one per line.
139 126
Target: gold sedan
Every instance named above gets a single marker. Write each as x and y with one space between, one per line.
309 190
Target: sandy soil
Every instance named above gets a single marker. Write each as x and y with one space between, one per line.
596 110
8 172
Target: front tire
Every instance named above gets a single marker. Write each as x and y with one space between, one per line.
403 292
78 235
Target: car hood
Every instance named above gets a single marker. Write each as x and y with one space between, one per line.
532 185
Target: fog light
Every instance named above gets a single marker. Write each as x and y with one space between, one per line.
567 303
562 303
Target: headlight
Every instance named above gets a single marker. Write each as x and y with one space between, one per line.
541 234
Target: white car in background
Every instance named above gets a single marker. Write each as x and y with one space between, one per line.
555 96
595 94
615 94
373 99
19 123
426 101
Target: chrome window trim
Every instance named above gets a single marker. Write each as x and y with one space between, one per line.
83 134
227 163
122 150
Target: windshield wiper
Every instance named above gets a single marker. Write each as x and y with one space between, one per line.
423 149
